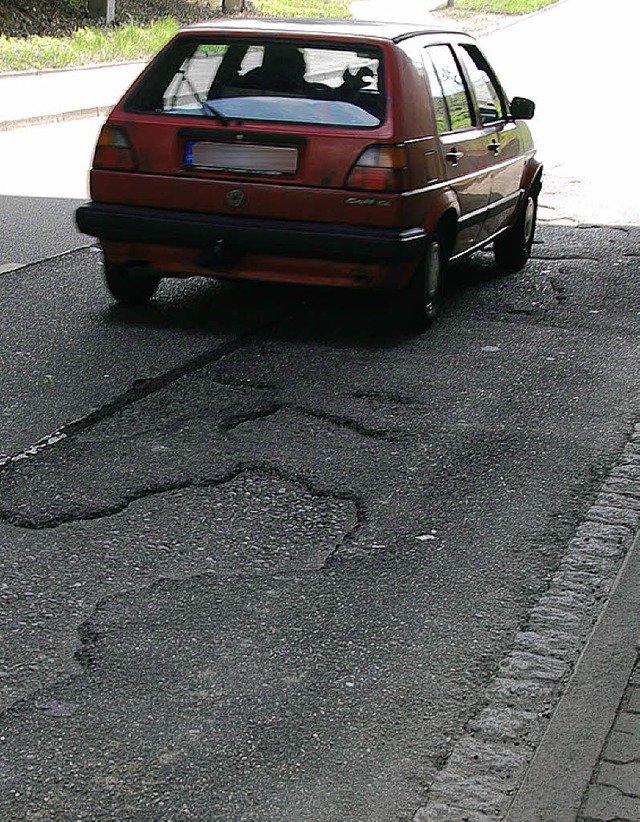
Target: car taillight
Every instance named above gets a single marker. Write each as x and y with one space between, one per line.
380 168
114 151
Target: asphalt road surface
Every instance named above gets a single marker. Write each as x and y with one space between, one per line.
43 179
273 554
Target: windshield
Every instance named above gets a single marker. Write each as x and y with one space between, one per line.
265 81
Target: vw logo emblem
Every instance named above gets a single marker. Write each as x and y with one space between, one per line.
236 198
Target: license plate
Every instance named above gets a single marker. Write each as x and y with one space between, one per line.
245 157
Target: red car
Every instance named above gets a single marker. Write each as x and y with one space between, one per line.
332 153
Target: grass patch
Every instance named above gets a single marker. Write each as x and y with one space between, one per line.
502 6
300 8
86 45
131 42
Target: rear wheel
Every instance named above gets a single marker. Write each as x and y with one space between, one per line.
421 299
513 249
129 288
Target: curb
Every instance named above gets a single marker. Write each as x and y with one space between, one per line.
508 22
64 117
68 69
563 766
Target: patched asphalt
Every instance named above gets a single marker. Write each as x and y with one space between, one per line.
276 577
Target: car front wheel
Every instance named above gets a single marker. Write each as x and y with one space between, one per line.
129 288
513 249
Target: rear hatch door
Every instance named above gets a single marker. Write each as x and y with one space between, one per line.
273 117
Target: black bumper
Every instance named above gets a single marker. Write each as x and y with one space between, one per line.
239 235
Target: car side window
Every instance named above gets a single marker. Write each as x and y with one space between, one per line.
448 89
437 96
486 92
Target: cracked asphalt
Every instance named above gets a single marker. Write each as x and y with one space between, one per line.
259 557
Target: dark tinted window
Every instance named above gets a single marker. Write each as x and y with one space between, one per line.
278 82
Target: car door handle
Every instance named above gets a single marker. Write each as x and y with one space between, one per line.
495 147
454 156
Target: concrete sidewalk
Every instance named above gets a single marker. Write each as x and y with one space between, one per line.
32 98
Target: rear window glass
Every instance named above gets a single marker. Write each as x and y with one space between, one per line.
265 81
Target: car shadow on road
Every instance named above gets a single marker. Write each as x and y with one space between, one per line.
564 257
289 313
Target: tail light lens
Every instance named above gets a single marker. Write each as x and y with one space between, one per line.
380 168
113 151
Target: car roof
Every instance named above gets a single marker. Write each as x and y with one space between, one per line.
318 26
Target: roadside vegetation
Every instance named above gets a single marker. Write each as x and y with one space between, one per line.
130 41
86 45
502 6
303 8
92 44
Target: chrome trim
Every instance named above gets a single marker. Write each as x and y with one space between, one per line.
505 202
467 251
474 216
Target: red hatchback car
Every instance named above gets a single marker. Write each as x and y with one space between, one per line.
332 153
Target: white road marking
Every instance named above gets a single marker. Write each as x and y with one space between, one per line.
5 269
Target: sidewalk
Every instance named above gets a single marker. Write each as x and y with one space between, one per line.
32 98
587 767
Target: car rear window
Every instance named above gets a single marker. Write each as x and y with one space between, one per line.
282 82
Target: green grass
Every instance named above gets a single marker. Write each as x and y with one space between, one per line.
503 6
305 8
86 45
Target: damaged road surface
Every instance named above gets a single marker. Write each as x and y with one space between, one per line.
271 568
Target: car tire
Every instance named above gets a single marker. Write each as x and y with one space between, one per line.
128 288
419 302
513 249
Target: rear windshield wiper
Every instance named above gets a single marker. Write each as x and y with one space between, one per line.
211 111
206 105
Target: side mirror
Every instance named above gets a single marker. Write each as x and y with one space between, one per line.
522 109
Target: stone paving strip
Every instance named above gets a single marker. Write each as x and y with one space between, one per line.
488 763
616 784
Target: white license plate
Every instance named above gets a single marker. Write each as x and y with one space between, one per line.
245 157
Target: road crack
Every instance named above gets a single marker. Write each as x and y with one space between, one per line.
140 389
559 289
567 259
292 505
261 469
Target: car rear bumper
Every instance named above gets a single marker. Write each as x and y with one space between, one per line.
235 236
